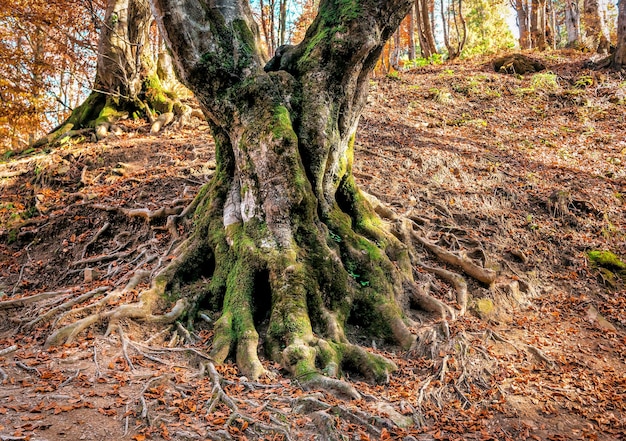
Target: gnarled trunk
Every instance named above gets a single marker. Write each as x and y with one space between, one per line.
282 229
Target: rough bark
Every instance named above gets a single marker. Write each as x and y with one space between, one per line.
285 234
572 23
595 26
523 22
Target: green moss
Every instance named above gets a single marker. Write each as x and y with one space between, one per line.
484 308
157 97
281 125
606 259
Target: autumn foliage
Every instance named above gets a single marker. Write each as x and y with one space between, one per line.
47 56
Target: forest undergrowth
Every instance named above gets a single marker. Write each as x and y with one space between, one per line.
529 168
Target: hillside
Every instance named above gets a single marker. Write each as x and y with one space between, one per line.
529 171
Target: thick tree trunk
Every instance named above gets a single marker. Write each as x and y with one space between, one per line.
283 230
595 26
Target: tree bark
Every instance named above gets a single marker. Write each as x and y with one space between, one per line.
572 23
595 26
412 52
126 76
282 230
538 24
523 22
619 57
425 29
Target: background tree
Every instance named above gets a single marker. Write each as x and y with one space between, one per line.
619 57
454 27
424 11
572 23
522 10
538 24
126 79
596 30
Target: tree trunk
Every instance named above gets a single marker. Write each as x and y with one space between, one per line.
127 78
427 39
538 24
412 53
619 57
523 22
283 22
572 23
282 230
595 26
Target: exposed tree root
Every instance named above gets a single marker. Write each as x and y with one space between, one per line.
371 267
484 275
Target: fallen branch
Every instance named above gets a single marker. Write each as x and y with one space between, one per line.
8 350
28 368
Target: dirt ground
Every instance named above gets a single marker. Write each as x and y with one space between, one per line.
531 169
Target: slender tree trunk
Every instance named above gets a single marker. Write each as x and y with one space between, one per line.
265 28
619 57
421 33
283 22
572 23
538 24
412 53
282 230
523 22
595 26
424 14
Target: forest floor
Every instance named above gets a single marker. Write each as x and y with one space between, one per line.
532 168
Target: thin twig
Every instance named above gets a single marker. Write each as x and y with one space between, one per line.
28 368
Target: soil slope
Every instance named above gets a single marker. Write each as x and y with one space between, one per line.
529 169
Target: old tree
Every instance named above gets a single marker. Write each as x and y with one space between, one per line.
284 242
129 78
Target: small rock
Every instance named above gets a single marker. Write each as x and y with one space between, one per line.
395 416
91 274
594 316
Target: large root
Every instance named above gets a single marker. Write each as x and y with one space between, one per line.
314 290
